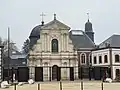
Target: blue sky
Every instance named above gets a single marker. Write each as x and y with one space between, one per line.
22 15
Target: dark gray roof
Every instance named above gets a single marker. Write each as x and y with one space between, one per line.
34 35
88 26
35 32
113 41
81 40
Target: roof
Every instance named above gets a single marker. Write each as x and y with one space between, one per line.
80 39
35 31
55 24
88 26
113 41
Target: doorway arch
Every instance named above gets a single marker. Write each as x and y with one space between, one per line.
56 73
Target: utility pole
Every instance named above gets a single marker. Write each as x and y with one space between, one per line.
8 53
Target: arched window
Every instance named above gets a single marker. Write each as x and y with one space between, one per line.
116 58
105 59
54 45
83 58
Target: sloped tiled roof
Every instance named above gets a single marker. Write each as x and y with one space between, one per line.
81 40
113 41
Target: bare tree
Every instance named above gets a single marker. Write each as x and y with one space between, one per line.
25 48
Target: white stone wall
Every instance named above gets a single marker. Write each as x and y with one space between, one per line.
114 52
100 53
114 71
106 52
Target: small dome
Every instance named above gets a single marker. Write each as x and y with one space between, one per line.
88 27
35 32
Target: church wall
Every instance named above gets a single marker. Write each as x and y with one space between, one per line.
42 53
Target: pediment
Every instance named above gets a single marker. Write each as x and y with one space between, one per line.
55 24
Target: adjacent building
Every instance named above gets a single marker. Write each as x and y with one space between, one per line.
106 58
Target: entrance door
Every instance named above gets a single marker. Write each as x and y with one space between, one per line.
56 73
59 74
38 73
71 73
97 74
23 74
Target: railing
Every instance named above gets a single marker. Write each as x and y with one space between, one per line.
67 85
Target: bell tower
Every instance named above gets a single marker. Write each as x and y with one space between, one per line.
89 29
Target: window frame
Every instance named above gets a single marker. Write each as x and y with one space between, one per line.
105 58
117 58
95 59
100 59
83 58
53 49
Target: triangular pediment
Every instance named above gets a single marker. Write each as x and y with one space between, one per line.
55 24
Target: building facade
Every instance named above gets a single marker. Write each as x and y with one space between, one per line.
59 53
53 54
106 58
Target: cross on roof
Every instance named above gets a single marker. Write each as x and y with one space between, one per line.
88 16
42 15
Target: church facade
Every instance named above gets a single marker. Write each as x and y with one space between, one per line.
53 53
57 52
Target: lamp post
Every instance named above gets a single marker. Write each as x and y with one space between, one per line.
8 53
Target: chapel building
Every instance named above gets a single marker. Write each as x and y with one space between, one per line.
59 53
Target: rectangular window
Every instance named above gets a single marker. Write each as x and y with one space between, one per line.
100 59
105 59
117 58
95 60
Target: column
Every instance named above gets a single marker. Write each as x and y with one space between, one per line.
44 42
62 42
42 38
48 43
32 70
67 42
